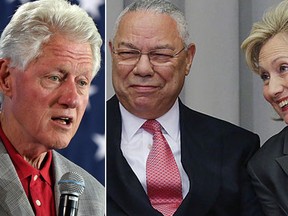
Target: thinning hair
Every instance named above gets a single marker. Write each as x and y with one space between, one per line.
274 21
161 7
34 23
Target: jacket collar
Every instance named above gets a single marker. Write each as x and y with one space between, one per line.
121 179
283 160
11 188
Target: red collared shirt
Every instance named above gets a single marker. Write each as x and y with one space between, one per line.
37 184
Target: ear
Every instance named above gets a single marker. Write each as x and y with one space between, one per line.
5 78
111 47
191 50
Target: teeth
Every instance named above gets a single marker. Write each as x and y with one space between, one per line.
283 103
63 120
67 120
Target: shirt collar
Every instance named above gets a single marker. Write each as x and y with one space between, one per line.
23 168
169 121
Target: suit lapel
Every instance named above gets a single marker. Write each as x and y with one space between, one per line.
59 169
201 159
283 160
122 184
11 188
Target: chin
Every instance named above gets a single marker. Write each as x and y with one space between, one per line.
285 120
57 145
61 147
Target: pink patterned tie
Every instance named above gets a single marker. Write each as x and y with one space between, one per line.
164 186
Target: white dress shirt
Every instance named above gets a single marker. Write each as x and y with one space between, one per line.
136 142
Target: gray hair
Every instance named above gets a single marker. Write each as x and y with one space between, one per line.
273 22
34 23
161 7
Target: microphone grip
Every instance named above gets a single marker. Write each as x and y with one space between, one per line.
68 205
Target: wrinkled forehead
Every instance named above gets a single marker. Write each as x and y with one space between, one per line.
141 26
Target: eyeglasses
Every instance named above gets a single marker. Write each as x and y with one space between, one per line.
158 57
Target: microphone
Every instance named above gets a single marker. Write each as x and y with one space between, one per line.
71 186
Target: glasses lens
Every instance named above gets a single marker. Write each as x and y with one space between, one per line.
159 57
127 56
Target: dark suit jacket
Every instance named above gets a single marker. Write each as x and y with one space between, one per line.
269 170
214 155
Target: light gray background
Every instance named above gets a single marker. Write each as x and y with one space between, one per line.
219 83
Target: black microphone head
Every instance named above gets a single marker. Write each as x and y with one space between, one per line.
71 183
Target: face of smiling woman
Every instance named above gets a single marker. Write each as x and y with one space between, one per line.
44 105
146 90
273 69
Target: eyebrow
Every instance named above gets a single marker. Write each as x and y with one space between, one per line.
262 69
66 72
280 57
132 46
129 45
276 59
273 61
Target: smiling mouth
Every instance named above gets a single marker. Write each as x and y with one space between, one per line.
63 120
283 103
144 88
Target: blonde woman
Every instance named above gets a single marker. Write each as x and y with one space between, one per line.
266 51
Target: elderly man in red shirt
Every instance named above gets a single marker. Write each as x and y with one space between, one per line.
49 54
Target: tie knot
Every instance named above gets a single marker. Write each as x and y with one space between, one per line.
152 126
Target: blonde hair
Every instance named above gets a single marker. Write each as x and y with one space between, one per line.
273 22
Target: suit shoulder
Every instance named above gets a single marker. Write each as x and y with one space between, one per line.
112 110
112 103
212 123
93 198
76 168
269 151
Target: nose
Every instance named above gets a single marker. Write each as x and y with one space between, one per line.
143 66
276 86
69 96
